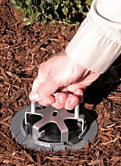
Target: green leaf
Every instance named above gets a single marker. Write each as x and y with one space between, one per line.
28 2
88 2
65 10
13 2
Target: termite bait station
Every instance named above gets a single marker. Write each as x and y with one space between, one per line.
48 129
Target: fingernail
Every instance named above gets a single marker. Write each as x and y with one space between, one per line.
78 92
35 96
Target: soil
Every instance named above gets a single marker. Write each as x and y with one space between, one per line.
22 49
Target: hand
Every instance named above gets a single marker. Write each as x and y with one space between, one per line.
61 82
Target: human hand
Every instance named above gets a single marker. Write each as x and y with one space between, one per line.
61 82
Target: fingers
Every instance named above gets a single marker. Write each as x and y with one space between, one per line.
75 89
34 96
68 98
65 100
60 100
47 101
71 102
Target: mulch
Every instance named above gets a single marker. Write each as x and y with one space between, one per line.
22 49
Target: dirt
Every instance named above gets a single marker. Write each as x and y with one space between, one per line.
22 49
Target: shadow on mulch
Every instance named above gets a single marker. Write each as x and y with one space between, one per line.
107 83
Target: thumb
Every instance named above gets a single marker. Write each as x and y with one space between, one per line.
42 88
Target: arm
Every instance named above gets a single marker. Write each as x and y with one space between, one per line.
93 49
99 36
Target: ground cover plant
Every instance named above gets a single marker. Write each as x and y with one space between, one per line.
65 11
22 49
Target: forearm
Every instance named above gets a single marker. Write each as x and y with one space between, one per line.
97 43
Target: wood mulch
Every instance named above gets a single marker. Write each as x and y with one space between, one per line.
22 49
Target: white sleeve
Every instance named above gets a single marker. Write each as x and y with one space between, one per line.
97 43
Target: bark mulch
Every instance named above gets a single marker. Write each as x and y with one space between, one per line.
22 49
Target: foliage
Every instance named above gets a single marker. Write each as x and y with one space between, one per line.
67 11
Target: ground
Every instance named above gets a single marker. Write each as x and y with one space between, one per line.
22 49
